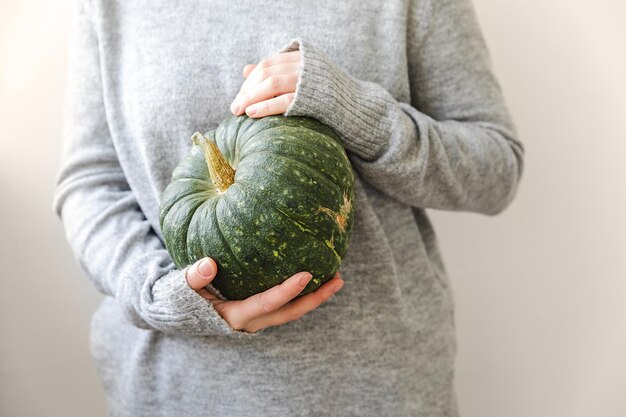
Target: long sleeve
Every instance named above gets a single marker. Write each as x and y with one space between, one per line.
111 238
454 147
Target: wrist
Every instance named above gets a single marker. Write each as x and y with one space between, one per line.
332 96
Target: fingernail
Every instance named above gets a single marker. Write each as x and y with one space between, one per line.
251 111
205 268
305 280
235 108
338 287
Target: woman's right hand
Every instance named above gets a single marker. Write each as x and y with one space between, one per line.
272 307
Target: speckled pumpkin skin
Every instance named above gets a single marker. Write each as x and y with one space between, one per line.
290 208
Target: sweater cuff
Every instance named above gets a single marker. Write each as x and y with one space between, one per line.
172 306
348 106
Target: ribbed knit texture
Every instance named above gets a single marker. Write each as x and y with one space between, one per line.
406 84
353 108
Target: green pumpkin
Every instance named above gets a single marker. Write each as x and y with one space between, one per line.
265 198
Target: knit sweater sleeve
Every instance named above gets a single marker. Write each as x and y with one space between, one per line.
111 238
454 147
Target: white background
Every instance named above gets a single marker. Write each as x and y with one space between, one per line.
540 289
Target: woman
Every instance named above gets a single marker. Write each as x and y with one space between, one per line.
406 84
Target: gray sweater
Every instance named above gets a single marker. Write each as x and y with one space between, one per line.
408 86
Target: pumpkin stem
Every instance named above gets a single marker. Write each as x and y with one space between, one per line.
222 174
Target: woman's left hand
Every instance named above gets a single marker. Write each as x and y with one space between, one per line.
270 86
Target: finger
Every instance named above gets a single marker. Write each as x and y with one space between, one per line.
256 77
200 274
208 295
248 69
276 105
282 58
297 308
270 87
239 313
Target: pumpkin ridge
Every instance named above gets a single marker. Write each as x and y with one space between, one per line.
307 167
334 136
238 137
299 224
188 199
310 232
188 167
252 124
248 222
225 242
244 136
337 145
327 243
190 217
296 223
166 204
191 179
270 207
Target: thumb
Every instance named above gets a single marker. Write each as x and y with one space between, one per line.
200 274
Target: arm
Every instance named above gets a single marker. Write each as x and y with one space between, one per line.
454 147
117 247
111 238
